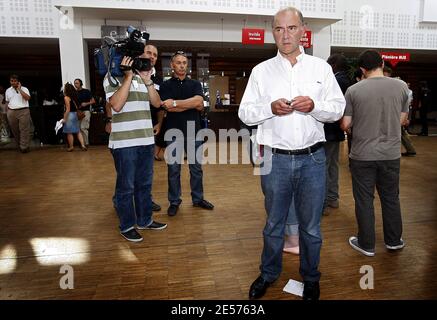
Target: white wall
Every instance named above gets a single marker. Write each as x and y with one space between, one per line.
428 11
28 18
384 24
327 9
179 27
40 18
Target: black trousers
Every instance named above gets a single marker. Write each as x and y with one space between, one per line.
384 175
423 111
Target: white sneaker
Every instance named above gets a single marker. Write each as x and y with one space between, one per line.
397 247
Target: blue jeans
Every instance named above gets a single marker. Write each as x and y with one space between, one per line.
196 177
298 178
292 226
133 200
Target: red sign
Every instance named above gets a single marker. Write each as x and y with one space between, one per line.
306 40
253 36
395 57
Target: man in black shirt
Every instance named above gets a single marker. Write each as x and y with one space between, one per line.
86 100
183 99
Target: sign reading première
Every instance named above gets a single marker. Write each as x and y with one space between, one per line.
395 57
252 36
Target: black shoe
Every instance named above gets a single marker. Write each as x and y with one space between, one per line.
204 204
408 154
423 134
311 290
154 226
132 235
258 288
156 207
25 150
172 210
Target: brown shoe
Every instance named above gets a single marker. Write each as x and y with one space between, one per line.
333 203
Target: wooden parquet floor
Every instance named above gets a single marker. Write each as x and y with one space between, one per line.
56 209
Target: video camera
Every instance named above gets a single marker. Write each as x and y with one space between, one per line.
108 57
133 47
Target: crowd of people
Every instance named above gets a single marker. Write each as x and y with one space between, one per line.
16 119
302 106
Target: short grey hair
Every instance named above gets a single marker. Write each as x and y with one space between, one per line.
289 9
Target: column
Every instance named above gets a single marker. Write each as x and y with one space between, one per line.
73 49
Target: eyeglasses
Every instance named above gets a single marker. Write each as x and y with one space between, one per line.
179 53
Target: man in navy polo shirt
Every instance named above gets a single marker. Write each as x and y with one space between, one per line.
183 99
86 100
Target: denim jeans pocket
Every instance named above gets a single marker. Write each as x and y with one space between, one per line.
319 156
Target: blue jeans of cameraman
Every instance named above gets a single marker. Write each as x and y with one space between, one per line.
133 200
298 178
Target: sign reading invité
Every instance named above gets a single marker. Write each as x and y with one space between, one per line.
253 36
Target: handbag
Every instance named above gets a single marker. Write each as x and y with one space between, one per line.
80 114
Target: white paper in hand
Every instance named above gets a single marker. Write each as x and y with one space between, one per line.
294 287
59 125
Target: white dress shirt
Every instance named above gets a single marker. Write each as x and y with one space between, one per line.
15 99
276 78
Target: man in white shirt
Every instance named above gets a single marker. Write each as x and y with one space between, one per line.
17 97
289 97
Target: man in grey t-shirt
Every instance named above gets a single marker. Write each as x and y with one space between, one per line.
376 107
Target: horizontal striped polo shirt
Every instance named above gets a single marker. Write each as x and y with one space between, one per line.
132 126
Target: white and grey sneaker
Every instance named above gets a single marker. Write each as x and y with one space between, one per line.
396 247
132 235
353 241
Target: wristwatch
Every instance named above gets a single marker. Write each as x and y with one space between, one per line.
150 83
174 103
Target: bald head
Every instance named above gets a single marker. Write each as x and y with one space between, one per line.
292 10
287 30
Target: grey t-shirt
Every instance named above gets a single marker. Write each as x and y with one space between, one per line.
375 105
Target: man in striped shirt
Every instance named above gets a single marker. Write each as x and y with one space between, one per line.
132 146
